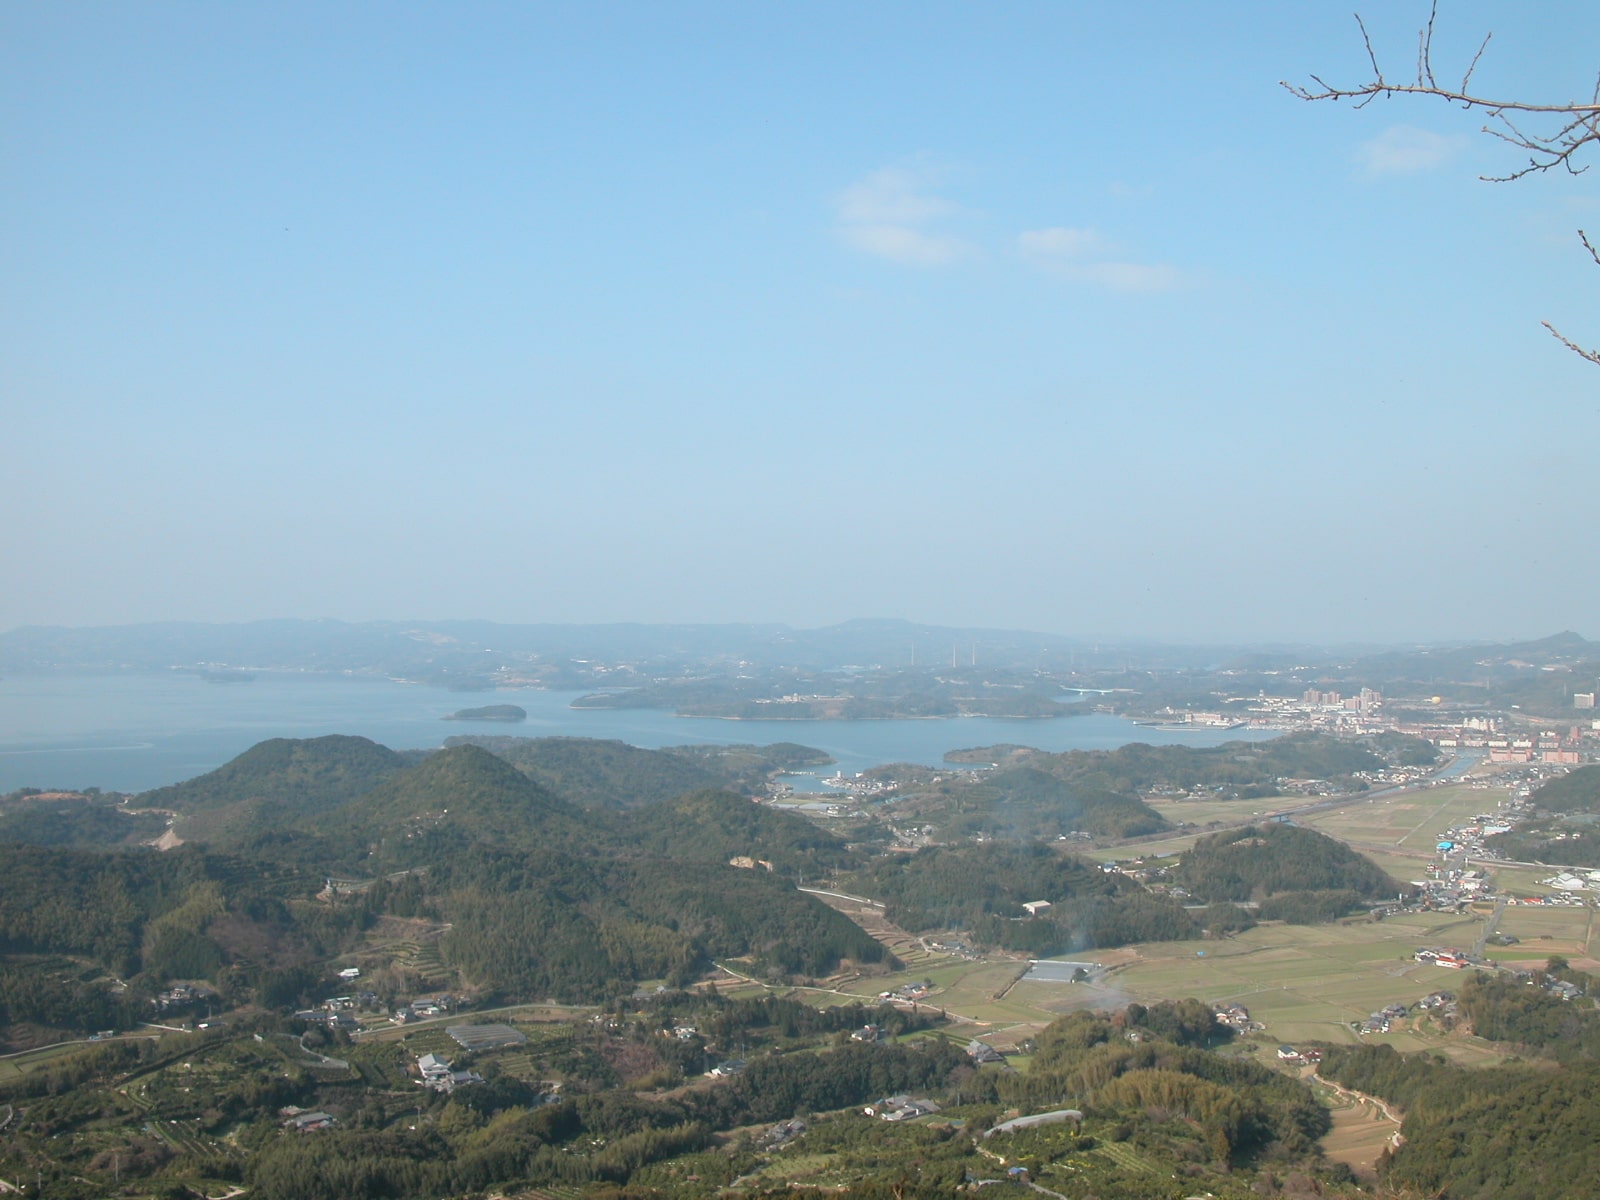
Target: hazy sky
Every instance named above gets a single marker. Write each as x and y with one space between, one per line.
1061 316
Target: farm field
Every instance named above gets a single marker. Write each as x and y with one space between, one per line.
1568 932
1362 1127
1406 824
1302 982
1520 881
1203 812
14 1066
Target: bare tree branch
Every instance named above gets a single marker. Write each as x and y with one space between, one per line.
1591 355
1579 125
1575 126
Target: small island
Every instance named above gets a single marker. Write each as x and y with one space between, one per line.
508 713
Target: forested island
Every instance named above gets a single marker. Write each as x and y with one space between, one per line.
506 713
879 694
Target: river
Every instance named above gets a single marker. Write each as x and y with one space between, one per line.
131 732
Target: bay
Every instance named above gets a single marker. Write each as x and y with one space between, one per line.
132 732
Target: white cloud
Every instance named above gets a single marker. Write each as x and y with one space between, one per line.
1405 149
1060 243
892 196
1126 276
1085 255
887 213
901 244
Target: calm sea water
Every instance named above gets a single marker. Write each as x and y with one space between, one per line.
133 732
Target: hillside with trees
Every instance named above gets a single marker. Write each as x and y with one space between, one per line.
1514 1132
323 771
980 890
716 827
536 897
608 774
1562 831
619 1122
87 820
1234 769
1296 875
1576 792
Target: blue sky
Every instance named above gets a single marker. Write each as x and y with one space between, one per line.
1059 316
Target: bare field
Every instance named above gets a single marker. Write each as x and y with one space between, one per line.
1407 823
1524 881
1202 812
1302 982
1568 932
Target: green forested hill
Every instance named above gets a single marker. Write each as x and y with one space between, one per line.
72 820
1031 794
1025 802
596 773
309 772
586 927
462 794
1233 768
608 774
1297 874
716 827
1576 792
541 898
1516 1132
981 890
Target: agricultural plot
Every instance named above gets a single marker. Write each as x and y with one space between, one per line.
1406 824
1155 847
1361 1131
1542 932
1523 881
13 1066
421 961
1302 982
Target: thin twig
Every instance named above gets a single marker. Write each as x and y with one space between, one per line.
1592 355
1579 128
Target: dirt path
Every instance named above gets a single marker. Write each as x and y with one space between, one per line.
1363 1127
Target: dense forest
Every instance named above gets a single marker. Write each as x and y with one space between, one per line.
90 821
981 890
1238 769
594 773
1563 831
1516 1132
536 897
1522 1009
1296 875
1576 792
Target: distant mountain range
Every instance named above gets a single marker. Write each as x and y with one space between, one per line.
475 654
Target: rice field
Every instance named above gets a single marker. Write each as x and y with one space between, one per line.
1407 825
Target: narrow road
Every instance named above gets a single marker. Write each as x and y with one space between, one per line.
1489 926
1395 1140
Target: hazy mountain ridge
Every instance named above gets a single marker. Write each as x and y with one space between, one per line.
459 647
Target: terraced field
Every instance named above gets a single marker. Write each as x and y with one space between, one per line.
1362 1128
